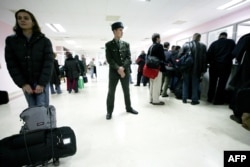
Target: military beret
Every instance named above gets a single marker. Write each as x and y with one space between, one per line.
117 25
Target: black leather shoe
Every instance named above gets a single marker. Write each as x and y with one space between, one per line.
159 103
184 101
108 116
132 111
236 119
195 102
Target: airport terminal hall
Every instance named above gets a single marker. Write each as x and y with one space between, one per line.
125 83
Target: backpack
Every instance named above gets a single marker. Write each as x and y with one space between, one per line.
186 61
39 117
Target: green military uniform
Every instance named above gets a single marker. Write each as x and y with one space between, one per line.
118 54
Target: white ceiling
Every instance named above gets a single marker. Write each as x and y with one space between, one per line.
86 22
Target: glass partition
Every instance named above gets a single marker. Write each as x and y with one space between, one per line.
213 35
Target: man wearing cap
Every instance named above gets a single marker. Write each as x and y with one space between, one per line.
119 58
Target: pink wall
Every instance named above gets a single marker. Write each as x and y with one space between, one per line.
6 82
226 20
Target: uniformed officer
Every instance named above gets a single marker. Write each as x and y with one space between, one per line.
119 58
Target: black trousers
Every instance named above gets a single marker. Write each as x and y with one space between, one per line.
113 81
218 77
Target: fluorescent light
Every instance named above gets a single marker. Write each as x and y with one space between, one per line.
51 27
59 27
232 4
55 27
70 42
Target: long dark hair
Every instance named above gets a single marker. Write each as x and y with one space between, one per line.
35 27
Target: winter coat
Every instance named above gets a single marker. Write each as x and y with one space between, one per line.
243 48
158 51
198 52
55 78
72 68
29 61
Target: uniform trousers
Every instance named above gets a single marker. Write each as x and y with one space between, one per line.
113 81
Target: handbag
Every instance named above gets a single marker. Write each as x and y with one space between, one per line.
151 73
152 61
169 67
235 75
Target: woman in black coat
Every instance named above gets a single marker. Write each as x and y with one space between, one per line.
72 71
29 58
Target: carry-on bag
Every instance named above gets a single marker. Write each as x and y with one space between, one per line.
39 117
37 147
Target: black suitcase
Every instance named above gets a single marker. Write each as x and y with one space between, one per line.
37 147
4 97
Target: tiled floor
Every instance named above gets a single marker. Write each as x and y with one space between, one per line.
173 135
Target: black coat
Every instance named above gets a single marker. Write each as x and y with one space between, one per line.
220 51
158 51
29 62
243 47
198 52
72 68
55 78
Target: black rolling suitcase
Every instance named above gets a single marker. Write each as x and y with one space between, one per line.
37 147
4 97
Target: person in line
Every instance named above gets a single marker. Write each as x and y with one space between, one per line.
199 67
29 58
219 57
72 71
141 62
55 78
156 50
239 100
168 74
119 58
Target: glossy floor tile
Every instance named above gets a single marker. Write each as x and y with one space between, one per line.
173 135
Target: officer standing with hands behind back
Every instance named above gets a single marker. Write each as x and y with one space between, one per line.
119 58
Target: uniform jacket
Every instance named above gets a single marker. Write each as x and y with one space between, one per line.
29 62
118 56
243 47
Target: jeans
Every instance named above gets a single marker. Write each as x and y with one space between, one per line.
191 84
41 99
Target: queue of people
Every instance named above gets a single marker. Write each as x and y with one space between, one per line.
217 59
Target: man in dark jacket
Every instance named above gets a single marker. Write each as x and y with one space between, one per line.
199 67
219 57
242 54
156 50
119 58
